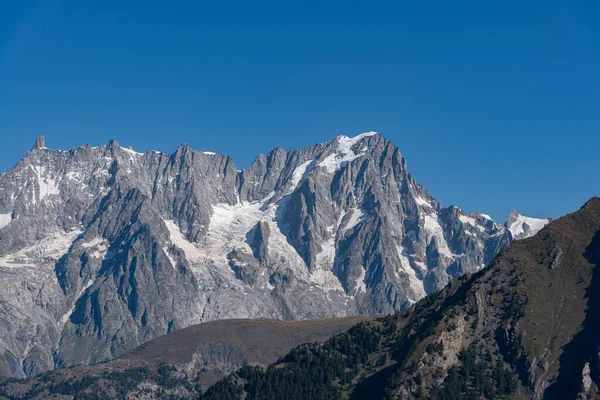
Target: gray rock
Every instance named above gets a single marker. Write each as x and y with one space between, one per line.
103 249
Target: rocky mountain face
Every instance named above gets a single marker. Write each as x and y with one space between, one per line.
526 327
103 248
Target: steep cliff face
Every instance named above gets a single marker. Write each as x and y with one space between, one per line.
104 248
526 327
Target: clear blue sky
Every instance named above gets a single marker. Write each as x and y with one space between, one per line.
495 105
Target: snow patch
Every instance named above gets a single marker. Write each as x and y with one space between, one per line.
421 201
192 253
228 227
5 219
586 379
360 282
171 260
299 173
65 317
414 282
209 153
131 152
92 243
47 186
326 280
356 218
358 138
48 250
433 229
421 265
467 220
100 245
344 153
534 225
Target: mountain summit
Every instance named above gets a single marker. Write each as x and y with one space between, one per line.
104 248
521 227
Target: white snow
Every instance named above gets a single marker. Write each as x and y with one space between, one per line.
299 173
100 247
94 242
227 230
321 274
360 282
421 201
192 253
421 265
230 224
586 380
414 282
132 152
5 219
209 153
171 260
47 185
49 249
433 229
486 216
73 175
326 280
517 228
49 149
357 138
65 317
344 153
357 217
465 219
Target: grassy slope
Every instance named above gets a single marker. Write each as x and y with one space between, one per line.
260 341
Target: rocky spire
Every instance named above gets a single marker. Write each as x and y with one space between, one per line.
512 218
40 142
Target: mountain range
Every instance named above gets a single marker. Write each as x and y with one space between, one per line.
525 327
103 249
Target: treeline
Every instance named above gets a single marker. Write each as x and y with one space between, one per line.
116 382
474 379
311 371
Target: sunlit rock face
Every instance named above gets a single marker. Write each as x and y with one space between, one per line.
102 249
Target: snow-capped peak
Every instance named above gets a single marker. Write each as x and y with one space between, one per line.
344 153
357 138
522 227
